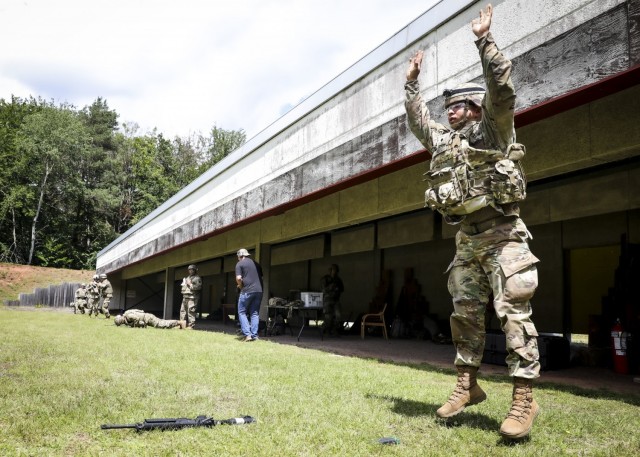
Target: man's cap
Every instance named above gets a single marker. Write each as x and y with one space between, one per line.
192 267
118 320
469 92
96 277
103 276
243 253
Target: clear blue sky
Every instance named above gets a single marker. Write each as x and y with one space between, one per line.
183 66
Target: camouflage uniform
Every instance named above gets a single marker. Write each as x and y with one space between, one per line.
106 292
93 295
138 318
332 288
80 303
492 253
190 288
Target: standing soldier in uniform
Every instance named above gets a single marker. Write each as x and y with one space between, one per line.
106 292
190 287
475 180
80 304
93 296
332 288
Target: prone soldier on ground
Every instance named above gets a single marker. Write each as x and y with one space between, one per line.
138 318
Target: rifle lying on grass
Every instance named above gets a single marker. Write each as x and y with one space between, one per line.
174 424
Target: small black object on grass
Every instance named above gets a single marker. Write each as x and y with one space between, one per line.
389 440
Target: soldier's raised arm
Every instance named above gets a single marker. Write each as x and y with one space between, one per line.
418 116
498 106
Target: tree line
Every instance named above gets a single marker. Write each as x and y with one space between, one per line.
73 180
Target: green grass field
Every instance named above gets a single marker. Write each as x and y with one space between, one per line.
62 376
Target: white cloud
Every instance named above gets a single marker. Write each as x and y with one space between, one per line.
185 65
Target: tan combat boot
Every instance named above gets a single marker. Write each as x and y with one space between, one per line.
524 410
182 324
466 393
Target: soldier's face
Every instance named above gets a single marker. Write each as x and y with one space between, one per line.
460 113
456 113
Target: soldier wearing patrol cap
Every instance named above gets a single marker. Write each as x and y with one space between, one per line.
93 296
475 180
106 292
190 288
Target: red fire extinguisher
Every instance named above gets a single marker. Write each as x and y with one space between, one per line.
619 348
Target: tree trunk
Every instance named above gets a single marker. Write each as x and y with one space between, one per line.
35 217
14 247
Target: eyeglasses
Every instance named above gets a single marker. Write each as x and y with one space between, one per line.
456 106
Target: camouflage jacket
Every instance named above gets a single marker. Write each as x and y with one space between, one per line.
332 287
105 289
81 293
93 290
135 318
493 134
191 286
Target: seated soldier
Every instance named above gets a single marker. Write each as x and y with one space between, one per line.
138 318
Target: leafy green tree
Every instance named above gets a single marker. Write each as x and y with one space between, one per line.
49 143
220 144
74 180
187 156
96 207
13 193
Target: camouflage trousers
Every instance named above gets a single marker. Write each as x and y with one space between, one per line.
156 322
105 306
188 309
79 306
499 262
92 305
332 317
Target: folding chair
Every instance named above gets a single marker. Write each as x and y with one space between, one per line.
374 320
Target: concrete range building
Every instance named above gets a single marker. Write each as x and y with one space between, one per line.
338 179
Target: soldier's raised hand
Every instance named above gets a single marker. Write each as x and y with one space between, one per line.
480 25
414 66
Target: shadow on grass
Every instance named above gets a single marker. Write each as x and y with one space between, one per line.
542 385
470 419
343 350
411 408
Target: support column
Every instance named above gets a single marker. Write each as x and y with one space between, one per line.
263 257
169 280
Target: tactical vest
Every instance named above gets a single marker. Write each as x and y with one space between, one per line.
463 179
105 289
186 290
93 291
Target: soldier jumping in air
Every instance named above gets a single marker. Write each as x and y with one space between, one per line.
475 180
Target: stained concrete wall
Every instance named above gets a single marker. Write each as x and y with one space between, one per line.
362 127
327 189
